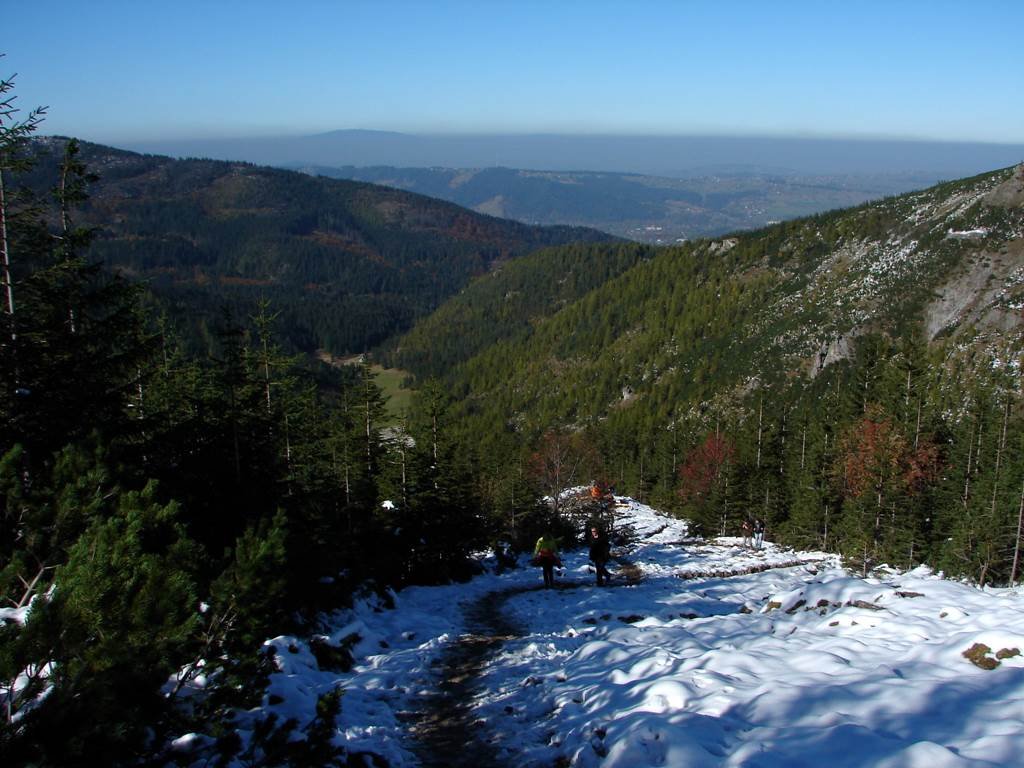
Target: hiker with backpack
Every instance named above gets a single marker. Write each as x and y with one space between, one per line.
758 533
545 554
600 553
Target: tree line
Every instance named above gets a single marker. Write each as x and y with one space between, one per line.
895 457
687 392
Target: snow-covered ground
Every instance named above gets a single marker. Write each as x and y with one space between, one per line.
793 665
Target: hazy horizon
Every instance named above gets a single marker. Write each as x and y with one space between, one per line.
122 72
651 155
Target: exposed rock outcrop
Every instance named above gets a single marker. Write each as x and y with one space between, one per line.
1009 194
836 349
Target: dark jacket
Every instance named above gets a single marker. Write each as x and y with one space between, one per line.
600 547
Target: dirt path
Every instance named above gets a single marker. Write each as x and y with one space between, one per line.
444 728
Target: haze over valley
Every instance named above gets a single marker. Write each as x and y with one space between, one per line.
657 189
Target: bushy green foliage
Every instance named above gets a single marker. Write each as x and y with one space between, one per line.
251 592
429 501
121 619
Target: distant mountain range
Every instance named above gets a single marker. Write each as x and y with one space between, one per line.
657 189
651 209
676 156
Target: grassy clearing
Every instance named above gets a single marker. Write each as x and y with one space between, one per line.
396 397
390 381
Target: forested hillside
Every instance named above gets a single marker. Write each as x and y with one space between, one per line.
506 306
852 378
346 264
575 387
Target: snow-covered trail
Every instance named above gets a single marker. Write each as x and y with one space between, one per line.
444 726
550 696
786 666
749 660
444 729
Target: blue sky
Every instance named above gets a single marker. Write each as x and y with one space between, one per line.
118 71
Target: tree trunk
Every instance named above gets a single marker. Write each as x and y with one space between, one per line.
6 256
433 434
760 415
405 480
288 453
348 487
369 445
1016 546
977 453
967 474
999 461
803 446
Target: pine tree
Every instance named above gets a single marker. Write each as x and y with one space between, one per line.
123 617
77 344
808 478
444 512
13 136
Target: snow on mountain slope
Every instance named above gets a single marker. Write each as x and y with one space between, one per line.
777 665
956 250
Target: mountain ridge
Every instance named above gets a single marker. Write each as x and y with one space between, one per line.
347 263
654 209
716 314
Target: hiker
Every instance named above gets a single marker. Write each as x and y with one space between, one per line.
747 529
505 554
600 553
545 554
758 533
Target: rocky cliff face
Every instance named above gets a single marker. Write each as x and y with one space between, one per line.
1009 194
953 261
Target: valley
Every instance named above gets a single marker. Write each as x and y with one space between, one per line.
649 209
